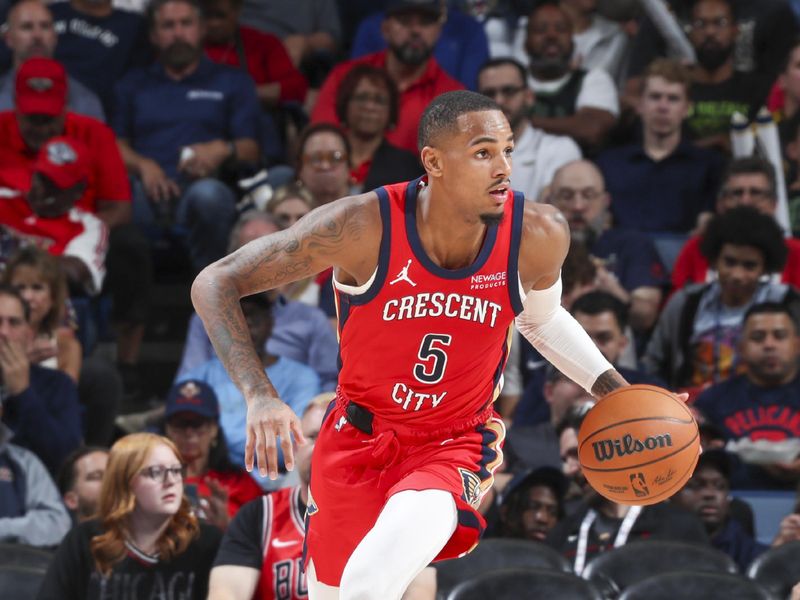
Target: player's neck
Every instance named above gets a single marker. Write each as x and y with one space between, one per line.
450 239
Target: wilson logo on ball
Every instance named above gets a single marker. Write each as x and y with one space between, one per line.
608 449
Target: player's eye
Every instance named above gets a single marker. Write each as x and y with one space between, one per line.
509 151
482 154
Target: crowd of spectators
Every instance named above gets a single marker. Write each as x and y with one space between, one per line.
202 125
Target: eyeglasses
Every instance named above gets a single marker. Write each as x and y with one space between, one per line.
365 97
331 158
739 193
160 472
718 23
506 91
568 195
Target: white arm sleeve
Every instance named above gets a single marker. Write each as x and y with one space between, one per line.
559 337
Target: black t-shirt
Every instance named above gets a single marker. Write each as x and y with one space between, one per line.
72 574
713 104
242 543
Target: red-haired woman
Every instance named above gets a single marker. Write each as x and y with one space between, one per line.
145 541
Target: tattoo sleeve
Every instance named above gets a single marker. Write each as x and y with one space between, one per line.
607 383
267 263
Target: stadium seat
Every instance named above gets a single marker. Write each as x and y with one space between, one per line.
687 585
636 561
514 584
20 583
496 553
19 555
778 569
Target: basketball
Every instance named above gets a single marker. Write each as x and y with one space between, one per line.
638 445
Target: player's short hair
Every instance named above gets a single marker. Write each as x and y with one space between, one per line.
7 290
598 302
506 61
441 115
770 308
750 165
66 474
670 70
746 226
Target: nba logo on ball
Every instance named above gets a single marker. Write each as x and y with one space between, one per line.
638 445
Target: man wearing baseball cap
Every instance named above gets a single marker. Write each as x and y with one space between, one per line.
40 114
42 207
411 29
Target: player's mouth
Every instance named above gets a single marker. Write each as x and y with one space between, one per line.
500 193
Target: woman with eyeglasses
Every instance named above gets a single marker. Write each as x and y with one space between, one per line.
145 541
215 487
367 107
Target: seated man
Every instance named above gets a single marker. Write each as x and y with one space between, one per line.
595 524
532 504
301 332
79 481
663 182
40 405
178 122
295 383
707 494
29 32
694 342
763 403
628 265
571 100
748 181
411 30
40 209
31 511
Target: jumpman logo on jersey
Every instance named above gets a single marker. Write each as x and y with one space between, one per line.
403 275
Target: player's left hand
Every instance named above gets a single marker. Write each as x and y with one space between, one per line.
268 418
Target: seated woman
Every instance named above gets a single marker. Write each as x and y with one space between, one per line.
215 487
367 106
39 279
145 539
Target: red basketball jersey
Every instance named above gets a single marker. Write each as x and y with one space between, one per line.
282 576
424 346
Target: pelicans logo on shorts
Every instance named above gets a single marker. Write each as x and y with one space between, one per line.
472 487
311 507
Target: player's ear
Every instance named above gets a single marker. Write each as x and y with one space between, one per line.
431 161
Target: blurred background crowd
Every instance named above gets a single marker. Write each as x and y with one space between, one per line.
141 140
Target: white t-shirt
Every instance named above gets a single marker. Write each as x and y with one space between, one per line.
601 46
537 156
597 90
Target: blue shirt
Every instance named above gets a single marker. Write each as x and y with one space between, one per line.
295 383
461 50
632 257
660 196
158 115
98 51
300 332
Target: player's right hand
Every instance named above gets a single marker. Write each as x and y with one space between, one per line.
268 418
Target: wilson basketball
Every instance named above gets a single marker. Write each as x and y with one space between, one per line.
638 445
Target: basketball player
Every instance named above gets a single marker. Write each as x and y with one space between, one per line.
429 276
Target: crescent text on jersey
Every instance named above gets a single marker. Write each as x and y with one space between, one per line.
439 304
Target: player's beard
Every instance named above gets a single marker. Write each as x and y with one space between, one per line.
490 219
180 55
411 56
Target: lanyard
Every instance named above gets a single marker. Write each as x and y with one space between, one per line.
622 535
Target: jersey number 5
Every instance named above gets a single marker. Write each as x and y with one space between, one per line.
433 357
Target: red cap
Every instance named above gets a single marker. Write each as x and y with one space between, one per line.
64 161
41 87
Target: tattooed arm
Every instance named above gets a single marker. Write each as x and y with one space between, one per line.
543 321
344 234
